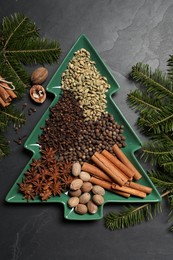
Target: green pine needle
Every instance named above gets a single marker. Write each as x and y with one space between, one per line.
157 84
130 216
21 44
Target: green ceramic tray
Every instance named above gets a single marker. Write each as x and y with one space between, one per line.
133 142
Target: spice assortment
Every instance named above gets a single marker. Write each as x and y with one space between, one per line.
88 85
88 144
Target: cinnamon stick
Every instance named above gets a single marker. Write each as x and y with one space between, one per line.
87 167
7 88
138 186
4 95
107 166
118 164
108 186
2 103
131 191
126 161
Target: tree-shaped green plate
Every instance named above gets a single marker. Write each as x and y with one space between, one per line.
133 142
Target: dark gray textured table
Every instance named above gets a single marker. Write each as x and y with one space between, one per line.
123 33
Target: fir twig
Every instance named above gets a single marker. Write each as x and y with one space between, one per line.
157 83
130 216
20 44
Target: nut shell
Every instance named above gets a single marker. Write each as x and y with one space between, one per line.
39 75
38 93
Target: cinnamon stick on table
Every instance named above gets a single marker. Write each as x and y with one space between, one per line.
126 161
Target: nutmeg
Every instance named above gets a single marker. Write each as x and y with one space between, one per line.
92 207
73 202
98 199
81 209
76 184
85 176
38 93
84 198
39 75
75 193
97 189
86 187
76 169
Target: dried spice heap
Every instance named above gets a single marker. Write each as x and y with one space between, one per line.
89 86
75 139
46 177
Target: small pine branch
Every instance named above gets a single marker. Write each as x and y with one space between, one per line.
158 84
4 147
143 103
130 216
11 114
36 50
16 28
157 122
162 181
158 151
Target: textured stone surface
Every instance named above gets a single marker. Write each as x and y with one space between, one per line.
123 33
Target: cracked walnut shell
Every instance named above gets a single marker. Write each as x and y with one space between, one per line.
38 93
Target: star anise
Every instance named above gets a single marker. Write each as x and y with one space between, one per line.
46 194
56 188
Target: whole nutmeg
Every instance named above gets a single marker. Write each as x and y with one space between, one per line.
38 93
84 198
85 176
98 190
75 193
81 209
76 184
86 186
92 207
76 169
39 75
98 199
73 202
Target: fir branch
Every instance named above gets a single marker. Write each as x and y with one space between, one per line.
158 150
130 216
158 122
11 114
35 50
143 102
157 84
162 181
4 148
15 27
